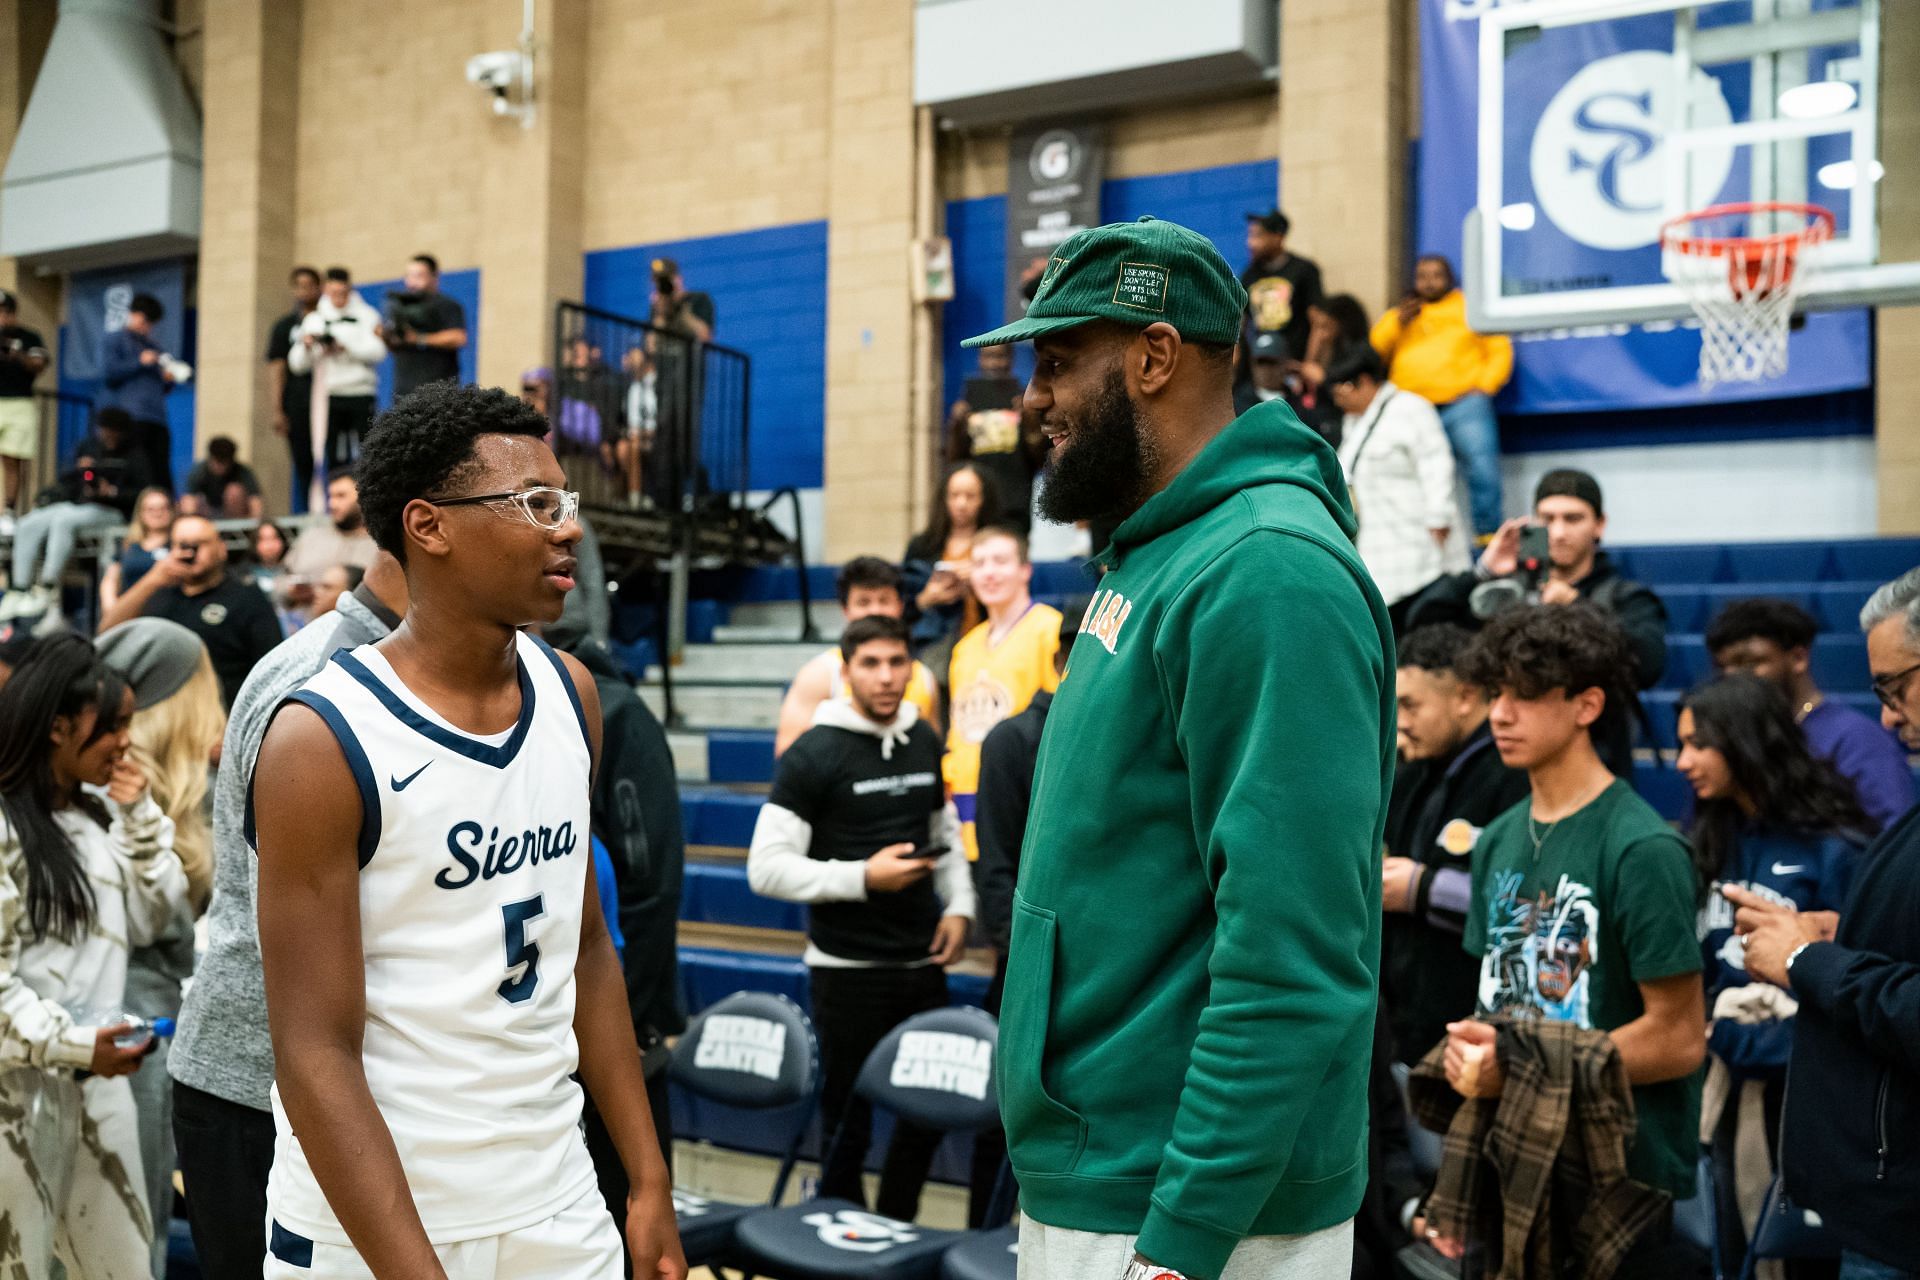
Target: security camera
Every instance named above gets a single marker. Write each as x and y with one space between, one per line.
506 74
495 72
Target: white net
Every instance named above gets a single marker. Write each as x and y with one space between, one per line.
1743 286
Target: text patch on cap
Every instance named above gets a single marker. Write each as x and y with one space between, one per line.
1142 285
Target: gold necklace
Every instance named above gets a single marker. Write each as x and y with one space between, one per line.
1806 709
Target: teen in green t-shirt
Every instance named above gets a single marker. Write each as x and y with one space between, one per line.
1584 900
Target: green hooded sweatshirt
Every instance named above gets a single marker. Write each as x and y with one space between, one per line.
1188 1018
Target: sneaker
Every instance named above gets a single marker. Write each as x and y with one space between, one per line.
52 623
17 603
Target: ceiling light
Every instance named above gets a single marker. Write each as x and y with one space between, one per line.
1517 217
1844 175
1817 99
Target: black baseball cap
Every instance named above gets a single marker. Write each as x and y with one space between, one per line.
1569 483
1270 344
1272 220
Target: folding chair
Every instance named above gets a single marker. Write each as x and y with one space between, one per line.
755 1051
934 1070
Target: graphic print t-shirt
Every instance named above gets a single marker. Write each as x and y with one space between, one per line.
1570 932
1278 298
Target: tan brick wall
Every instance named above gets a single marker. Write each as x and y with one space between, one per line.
25 27
1897 366
247 223
870 457
709 116
1343 152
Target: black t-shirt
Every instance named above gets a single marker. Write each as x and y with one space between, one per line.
298 397
112 477
997 444
235 619
1278 298
213 489
16 343
422 314
857 804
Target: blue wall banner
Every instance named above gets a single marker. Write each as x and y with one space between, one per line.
97 305
464 288
1583 152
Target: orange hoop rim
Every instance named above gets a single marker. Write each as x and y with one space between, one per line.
1820 227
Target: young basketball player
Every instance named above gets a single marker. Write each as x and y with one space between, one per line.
437 966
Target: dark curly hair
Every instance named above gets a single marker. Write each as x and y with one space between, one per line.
1749 721
1781 621
1436 647
1532 651
425 445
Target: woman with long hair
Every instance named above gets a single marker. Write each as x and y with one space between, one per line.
1773 820
174 739
939 562
86 870
147 536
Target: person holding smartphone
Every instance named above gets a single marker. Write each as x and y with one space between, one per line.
858 827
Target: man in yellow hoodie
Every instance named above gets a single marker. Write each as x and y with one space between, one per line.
1430 351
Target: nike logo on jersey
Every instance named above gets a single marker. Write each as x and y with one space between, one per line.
401 784
1781 869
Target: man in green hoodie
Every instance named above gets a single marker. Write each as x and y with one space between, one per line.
1190 994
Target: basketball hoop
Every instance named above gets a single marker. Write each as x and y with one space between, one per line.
1742 287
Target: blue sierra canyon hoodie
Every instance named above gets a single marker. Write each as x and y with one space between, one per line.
1190 994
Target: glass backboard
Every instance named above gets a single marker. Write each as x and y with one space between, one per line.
1600 120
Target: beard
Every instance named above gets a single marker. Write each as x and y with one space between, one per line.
351 522
1100 468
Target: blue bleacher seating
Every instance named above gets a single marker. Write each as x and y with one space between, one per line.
1837 604
1657 566
1717 596
1875 559
739 755
715 816
1778 561
1839 663
717 893
1664 789
1688 662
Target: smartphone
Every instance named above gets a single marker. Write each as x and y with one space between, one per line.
928 851
1533 548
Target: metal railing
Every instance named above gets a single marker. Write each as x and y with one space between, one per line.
647 418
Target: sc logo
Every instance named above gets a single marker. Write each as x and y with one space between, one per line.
1598 158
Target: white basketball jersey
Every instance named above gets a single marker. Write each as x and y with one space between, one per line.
475 858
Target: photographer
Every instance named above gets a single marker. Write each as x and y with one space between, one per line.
110 468
135 375
340 343
425 328
679 375
23 354
1554 557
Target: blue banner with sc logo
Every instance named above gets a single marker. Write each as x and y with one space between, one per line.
1583 150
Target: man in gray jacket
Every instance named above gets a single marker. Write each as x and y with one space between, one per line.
222 1056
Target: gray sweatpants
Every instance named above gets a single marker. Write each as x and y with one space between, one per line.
1056 1253
44 537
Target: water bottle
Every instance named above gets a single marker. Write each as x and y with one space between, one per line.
139 1031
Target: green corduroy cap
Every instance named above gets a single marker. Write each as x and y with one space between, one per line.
1133 273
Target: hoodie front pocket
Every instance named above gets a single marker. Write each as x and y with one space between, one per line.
1044 1135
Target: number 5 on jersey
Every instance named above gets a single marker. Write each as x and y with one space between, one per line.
516 989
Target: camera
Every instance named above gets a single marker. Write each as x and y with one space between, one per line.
497 72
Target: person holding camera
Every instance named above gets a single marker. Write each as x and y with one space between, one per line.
858 827
23 355
190 585
424 327
135 375
110 468
293 393
340 344
683 321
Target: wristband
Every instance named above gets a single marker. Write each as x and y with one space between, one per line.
1138 1269
1795 955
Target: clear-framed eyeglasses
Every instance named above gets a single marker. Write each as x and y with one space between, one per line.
543 507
